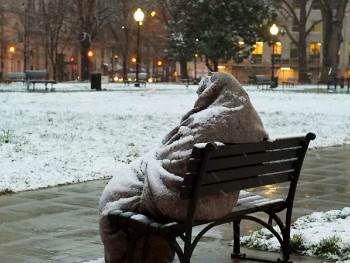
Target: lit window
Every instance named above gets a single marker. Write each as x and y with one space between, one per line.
315 49
258 48
278 48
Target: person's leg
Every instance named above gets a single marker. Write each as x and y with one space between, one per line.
114 241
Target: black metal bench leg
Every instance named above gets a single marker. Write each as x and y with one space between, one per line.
286 245
236 240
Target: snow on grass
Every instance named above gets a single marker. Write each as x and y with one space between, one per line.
323 234
75 134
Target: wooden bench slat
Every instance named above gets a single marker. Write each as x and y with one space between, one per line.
237 173
250 159
234 185
257 147
232 149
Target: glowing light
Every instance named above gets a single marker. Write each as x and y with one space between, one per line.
159 63
319 44
285 68
115 79
90 53
221 67
150 80
197 39
116 56
278 43
196 55
241 43
153 13
133 60
139 15
274 30
71 59
12 49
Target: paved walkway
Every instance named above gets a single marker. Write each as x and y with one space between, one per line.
61 224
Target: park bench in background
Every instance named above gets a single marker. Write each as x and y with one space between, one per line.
131 78
289 82
38 76
262 80
16 77
216 169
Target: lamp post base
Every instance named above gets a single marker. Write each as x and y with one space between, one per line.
137 84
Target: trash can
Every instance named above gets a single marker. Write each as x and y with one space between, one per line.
95 80
275 82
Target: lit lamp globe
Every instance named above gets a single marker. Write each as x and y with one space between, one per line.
274 30
139 15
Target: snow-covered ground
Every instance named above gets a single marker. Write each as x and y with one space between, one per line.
323 234
74 134
53 138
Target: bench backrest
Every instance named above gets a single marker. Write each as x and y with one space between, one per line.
291 79
36 74
261 78
216 169
142 76
16 76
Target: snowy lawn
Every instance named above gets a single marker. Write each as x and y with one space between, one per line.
75 134
54 138
321 234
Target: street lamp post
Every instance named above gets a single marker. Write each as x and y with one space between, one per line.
12 50
195 67
139 16
273 31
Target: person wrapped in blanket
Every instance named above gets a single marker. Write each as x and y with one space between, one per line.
150 185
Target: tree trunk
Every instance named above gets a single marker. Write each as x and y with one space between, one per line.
303 70
85 60
332 36
327 35
183 68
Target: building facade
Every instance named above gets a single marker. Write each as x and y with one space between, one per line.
286 54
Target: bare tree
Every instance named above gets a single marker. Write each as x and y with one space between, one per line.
298 14
54 15
333 13
88 18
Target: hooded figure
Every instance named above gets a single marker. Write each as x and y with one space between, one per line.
151 184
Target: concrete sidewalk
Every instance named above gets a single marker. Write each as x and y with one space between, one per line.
61 224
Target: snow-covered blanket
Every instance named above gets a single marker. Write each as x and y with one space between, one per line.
150 184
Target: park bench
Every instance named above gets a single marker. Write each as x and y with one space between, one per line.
262 80
131 78
289 82
189 81
16 77
215 169
38 77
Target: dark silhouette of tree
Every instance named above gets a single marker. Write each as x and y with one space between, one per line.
88 18
53 20
298 15
333 13
214 29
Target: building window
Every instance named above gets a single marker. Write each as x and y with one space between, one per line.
317 27
296 4
294 52
315 50
316 5
295 26
258 48
277 49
